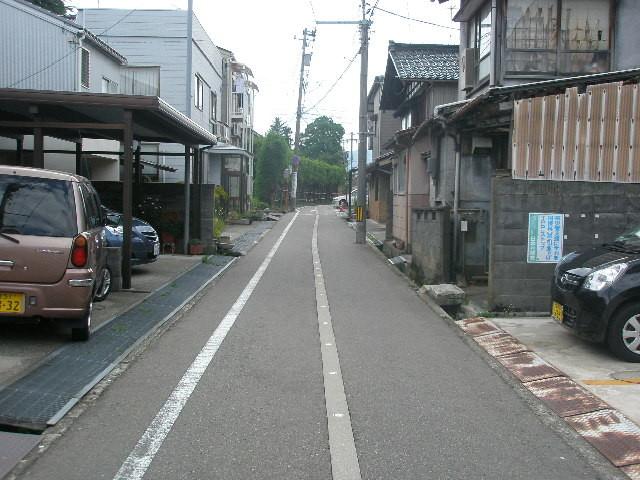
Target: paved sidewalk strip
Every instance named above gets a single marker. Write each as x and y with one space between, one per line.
610 432
42 396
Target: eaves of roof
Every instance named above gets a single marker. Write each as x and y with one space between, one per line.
524 90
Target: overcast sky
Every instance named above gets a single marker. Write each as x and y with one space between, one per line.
262 34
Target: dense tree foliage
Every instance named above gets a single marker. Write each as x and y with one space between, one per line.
272 158
316 176
322 141
282 129
55 6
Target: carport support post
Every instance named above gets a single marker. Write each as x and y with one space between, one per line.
79 157
137 179
20 151
38 153
126 200
187 196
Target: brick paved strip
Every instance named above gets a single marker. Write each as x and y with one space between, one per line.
528 366
565 397
478 326
500 344
632 471
612 434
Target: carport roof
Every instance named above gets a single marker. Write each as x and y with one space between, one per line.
70 115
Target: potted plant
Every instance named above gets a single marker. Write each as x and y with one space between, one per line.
196 247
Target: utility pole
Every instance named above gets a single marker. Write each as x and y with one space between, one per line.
361 221
304 62
350 174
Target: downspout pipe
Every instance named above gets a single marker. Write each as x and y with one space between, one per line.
456 201
189 58
494 44
81 35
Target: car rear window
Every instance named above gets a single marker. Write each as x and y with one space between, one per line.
37 206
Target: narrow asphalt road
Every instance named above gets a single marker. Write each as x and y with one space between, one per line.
250 384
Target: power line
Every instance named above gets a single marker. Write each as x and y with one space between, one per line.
313 10
336 82
416 19
72 52
118 22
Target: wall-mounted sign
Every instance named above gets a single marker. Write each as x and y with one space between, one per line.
546 234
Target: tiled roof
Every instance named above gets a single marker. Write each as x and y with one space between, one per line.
425 62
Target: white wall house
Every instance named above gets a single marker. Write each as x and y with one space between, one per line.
160 38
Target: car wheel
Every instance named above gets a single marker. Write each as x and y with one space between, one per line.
624 334
82 333
105 285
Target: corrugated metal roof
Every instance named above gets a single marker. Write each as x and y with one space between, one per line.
425 61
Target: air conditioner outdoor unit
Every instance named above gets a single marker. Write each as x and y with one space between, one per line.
468 64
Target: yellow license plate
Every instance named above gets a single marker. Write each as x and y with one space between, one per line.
557 311
11 303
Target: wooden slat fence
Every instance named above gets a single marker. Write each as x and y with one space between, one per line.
591 136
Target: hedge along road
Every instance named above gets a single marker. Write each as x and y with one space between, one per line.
420 402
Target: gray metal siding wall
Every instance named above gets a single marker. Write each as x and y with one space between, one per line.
207 62
147 38
101 65
35 52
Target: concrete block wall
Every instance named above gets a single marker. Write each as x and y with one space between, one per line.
431 243
595 213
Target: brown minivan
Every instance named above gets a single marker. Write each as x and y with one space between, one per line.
51 247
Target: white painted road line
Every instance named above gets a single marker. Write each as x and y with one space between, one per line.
344 457
138 461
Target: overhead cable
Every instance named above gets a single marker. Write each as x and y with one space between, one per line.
416 19
335 83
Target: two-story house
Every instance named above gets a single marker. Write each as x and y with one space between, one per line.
541 83
44 51
382 127
417 78
161 38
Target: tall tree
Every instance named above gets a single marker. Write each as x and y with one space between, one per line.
55 6
281 128
273 157
321 141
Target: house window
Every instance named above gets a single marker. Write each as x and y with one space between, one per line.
556 37
84 72
199 100
406 121
214 106
480 40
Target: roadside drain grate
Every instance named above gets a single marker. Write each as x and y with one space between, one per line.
246 241
41 397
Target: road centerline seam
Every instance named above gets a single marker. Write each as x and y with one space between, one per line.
342 449
136 464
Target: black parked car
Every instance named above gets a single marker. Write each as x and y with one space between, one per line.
596 294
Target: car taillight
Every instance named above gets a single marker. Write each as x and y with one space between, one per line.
80 251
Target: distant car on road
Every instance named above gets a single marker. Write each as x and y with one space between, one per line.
52 254
145 244
596 294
